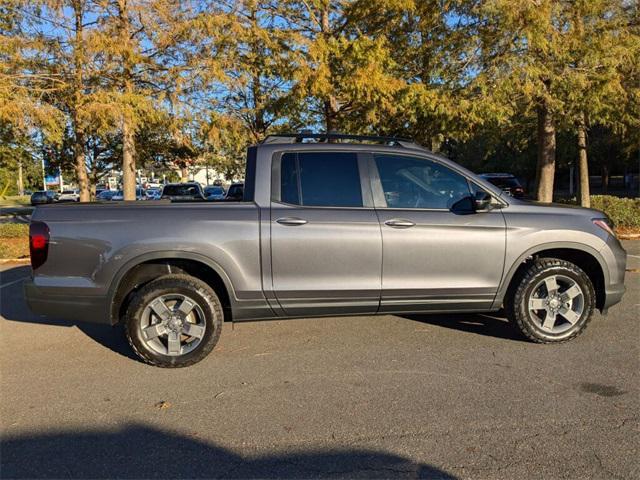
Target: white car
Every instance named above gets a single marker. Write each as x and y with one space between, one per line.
69 196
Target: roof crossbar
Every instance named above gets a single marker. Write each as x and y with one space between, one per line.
326 137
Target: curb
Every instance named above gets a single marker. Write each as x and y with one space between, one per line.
629 236
14 260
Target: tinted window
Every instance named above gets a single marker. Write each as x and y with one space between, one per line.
236 191
289 179
504 182
180 190
410 182
323 179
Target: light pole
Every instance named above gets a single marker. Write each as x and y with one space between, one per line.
44 178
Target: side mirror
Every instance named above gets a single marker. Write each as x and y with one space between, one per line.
482 200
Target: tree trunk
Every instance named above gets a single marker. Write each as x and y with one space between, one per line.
184 174
583 164
128 161
81 167
128 133
605 178
546 154
330 104
78 143
436 143
20 181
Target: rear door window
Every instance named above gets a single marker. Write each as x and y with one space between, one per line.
320 179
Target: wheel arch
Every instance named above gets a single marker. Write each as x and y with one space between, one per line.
140 270
585 257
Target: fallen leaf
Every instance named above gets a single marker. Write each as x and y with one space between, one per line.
162 405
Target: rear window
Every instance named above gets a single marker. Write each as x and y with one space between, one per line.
180 190
320 179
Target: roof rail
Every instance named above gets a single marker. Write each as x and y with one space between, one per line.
326 137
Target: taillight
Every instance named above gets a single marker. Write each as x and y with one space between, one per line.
38 243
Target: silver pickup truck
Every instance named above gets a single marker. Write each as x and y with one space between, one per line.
329 225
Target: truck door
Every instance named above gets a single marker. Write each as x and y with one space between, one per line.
326 244
436 257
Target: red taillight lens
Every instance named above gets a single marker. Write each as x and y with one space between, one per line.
38 243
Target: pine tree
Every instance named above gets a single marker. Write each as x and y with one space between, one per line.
343 75
560 60
141 71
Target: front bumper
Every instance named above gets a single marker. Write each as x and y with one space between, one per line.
72 307
615 257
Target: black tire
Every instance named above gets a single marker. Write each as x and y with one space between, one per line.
519 295
208 307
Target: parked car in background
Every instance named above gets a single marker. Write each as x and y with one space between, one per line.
44 196
119 196
153 193
324 229
506 182
235 192
214 192
184 192
105 195
69 196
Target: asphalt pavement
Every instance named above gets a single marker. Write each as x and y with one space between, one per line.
443 396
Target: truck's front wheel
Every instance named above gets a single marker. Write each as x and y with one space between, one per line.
174 321
552 301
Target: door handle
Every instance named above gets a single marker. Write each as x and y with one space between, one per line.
291 221
399 223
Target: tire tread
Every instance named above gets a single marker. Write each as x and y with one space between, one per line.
170 280
515 303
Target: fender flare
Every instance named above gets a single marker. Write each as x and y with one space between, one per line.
164 255
508 276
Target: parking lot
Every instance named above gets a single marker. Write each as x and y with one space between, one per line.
455 396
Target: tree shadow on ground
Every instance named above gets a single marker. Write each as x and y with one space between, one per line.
138 451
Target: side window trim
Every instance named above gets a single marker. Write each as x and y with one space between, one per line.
363 172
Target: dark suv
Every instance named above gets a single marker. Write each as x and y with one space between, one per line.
44 196
507 182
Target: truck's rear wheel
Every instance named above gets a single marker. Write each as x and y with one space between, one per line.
552 301
174 321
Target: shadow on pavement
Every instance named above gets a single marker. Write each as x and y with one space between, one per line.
14 307
493 325
138 451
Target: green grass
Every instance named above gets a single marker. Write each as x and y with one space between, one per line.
625 212
14 240
14 230
15 201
